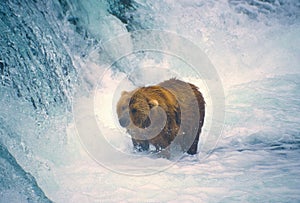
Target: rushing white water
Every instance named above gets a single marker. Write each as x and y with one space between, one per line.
254 47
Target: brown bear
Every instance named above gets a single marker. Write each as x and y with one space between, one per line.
172 111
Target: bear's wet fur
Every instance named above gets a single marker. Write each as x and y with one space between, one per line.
184 108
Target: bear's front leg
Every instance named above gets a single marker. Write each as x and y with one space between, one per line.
164 153
140 145
193 149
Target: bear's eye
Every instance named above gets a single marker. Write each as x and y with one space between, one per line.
133 111
123 108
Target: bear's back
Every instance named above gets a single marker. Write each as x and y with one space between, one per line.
191 102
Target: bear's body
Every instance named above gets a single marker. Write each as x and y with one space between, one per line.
143 108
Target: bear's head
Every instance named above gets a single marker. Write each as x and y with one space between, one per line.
140 105
134 108
123 108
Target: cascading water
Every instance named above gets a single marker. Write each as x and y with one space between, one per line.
53 52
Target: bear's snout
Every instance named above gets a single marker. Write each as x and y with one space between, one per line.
124 122
146 123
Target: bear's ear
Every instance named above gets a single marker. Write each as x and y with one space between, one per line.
153 103
124 93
